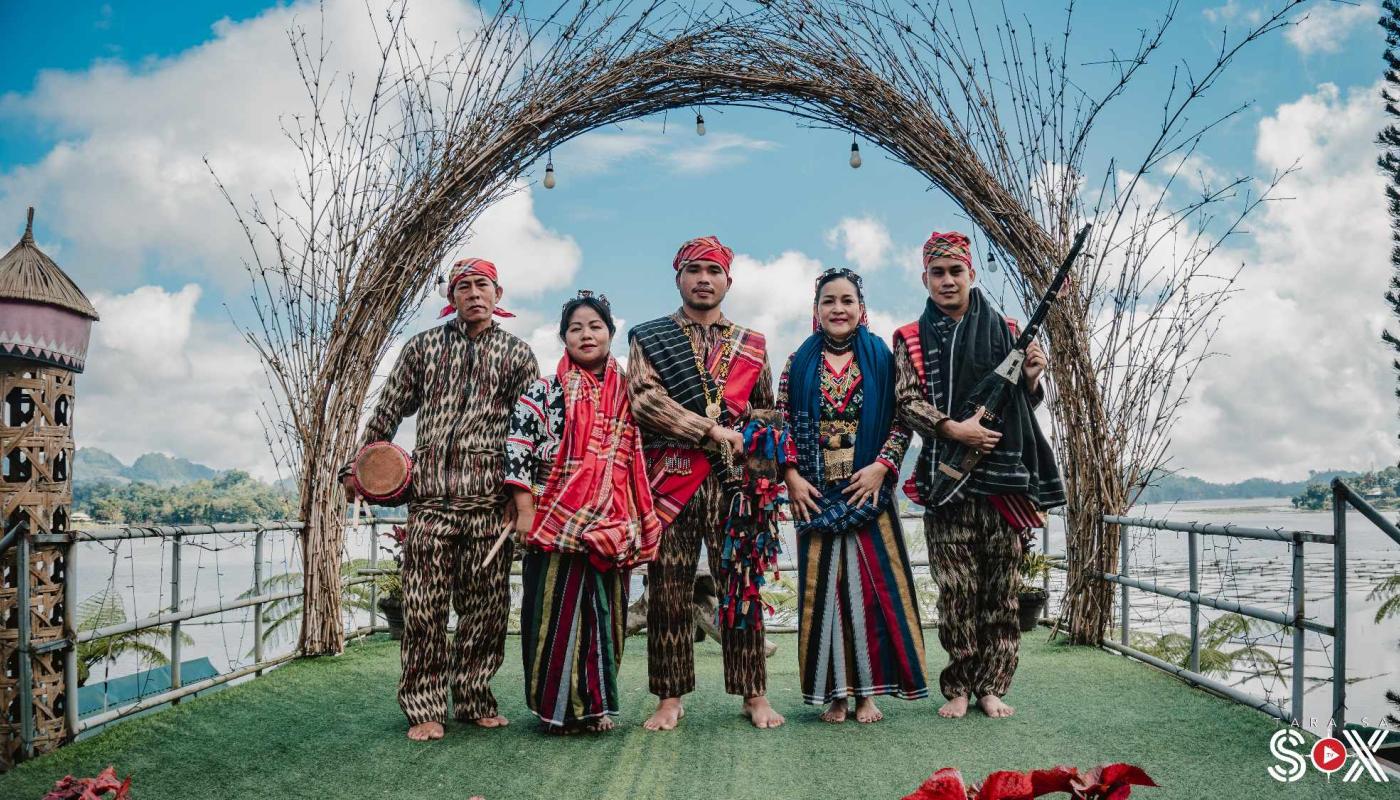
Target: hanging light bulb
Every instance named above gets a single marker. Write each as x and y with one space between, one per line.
699 124
549 173
442 285
992 261
855 154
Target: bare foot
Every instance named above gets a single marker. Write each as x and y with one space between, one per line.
835 713
992 706
866 712
954 709
667 715
497 721
602 724
760 712
425 731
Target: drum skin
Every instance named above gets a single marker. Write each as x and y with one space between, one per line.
381 473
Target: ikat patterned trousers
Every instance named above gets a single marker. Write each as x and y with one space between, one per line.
670 603
441 563
974 555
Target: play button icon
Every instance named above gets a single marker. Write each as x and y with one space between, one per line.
1328 755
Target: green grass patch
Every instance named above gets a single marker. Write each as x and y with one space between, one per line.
330 728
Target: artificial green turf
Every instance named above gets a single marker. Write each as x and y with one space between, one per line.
330 728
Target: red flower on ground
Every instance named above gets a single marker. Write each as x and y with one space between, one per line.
1108 782
1111 782
71 788
945 784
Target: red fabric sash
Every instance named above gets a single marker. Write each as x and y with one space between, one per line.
677 472
598 500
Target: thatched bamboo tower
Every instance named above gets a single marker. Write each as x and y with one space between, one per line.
45 323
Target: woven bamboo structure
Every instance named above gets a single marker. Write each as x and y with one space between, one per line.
45 321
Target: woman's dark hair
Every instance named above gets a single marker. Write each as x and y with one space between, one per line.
840 272
585 298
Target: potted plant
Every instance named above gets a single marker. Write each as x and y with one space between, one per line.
1034 568
390 584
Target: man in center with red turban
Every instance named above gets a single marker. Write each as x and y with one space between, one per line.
694 377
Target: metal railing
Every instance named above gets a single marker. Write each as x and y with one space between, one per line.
1295 622
173 616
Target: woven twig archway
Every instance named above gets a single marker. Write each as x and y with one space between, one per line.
393 188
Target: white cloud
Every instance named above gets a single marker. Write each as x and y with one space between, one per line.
1306 384
125 200
1232 11
674 147
864 242
530 258
1327 26
160 379
127 192
775 298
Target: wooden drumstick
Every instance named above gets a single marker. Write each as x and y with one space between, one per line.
500 540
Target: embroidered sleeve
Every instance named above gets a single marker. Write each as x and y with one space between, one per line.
399 397
892 454
785 407
654 408
912 406
527 432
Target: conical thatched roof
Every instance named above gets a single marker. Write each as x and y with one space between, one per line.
27 274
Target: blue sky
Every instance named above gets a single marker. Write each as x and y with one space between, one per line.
106 109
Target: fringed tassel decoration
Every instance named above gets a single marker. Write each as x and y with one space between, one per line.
751 539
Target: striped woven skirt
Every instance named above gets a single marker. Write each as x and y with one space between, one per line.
572 625
858 618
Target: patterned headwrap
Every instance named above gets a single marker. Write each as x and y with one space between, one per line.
707 248
465 268
831 275
948 245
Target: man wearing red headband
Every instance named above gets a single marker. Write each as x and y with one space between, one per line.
462 379
975 540
694 376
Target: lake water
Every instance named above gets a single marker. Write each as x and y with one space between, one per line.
1252 572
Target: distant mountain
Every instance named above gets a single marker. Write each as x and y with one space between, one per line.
93 465
1169 488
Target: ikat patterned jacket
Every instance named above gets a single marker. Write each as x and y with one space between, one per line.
463 391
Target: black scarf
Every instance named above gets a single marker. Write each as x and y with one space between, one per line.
1023 461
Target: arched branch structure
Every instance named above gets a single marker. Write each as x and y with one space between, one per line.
990 116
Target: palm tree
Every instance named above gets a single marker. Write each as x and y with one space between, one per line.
1388 592
106 608
279 615
1175 648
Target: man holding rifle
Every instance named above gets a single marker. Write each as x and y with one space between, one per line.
977 528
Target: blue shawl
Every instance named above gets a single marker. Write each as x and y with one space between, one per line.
876 365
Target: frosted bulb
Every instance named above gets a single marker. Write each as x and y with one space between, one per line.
549 177
855 156
699 125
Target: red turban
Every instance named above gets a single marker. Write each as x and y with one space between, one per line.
465 268
707 248
948 245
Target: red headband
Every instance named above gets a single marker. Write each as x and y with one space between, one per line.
948 245
707 248
464 269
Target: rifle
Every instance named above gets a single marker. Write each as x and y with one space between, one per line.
956 461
